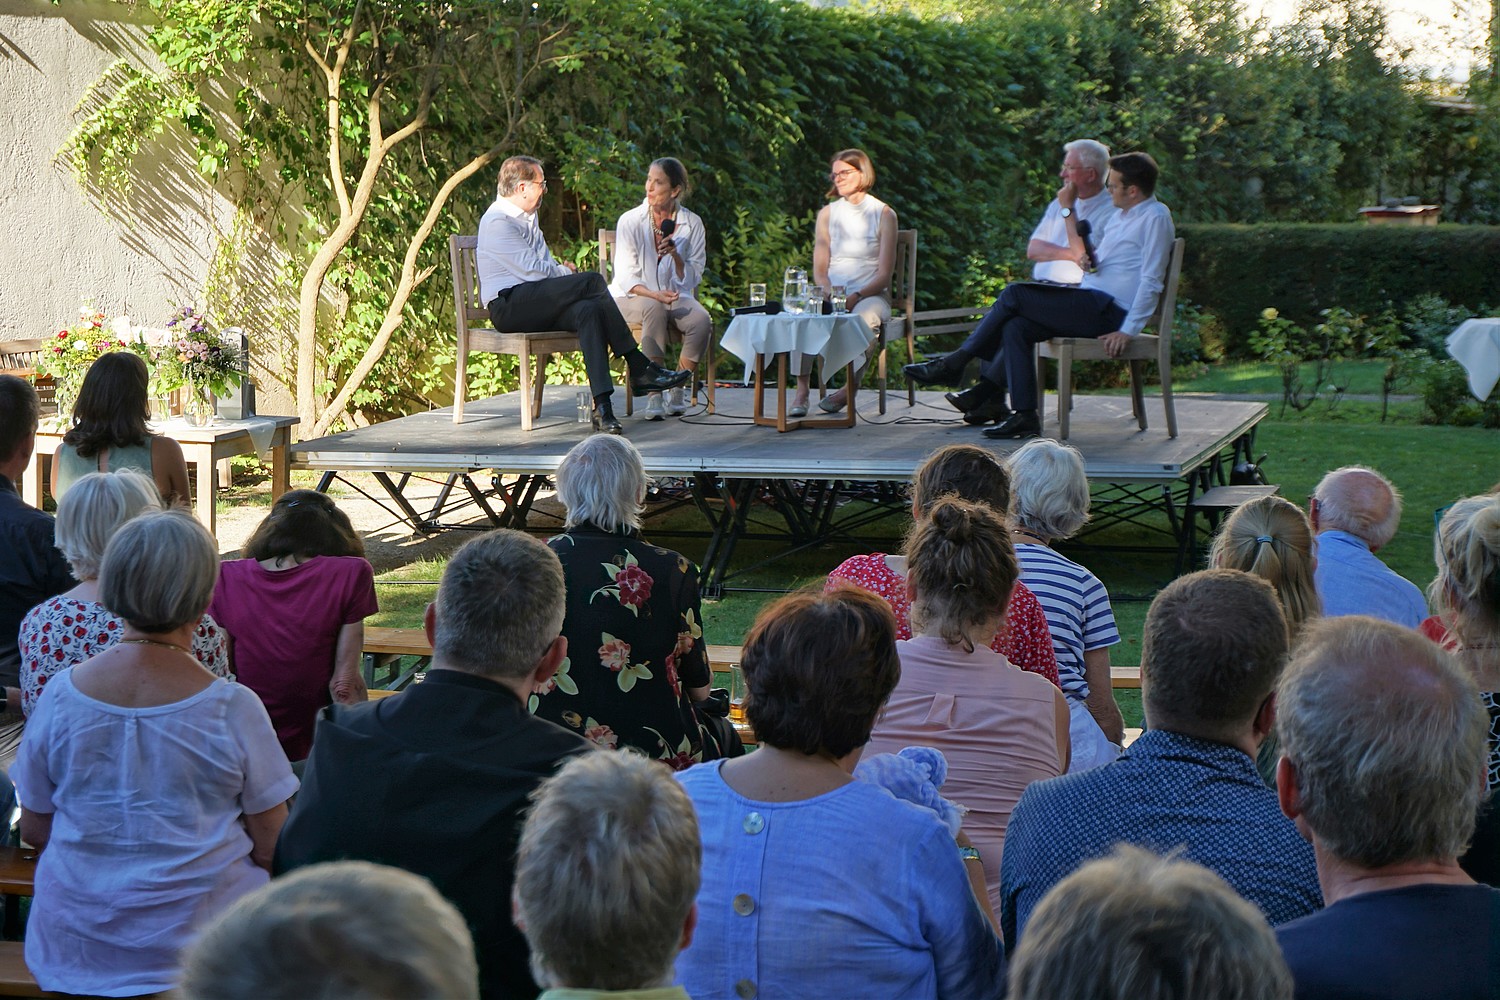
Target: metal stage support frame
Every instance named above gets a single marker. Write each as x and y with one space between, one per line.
799 490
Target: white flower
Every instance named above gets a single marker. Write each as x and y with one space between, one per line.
120 327
80 345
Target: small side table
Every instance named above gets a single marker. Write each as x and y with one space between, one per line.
201 447
841 342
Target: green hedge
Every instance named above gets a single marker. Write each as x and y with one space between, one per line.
1235 272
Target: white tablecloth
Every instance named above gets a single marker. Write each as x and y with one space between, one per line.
1476 346
839 340
260 429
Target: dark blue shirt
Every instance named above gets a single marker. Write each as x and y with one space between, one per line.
1419 941
1167 792
31 570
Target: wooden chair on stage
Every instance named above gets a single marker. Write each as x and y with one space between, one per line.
1146 347
19 357
607 268
903 308
468 311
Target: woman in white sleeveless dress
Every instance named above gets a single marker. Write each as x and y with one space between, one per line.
855 247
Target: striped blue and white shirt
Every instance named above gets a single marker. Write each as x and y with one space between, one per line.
1077 609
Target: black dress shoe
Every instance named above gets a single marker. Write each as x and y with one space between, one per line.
973 397
938 372
1020 426
606 424
655 378
989 411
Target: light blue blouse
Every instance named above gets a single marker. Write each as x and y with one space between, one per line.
851 893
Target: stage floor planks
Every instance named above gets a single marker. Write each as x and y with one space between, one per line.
728 445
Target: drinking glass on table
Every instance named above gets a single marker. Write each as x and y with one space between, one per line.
838 299
815 296
737 693
757 293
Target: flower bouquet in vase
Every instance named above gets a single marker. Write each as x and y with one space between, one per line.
197 362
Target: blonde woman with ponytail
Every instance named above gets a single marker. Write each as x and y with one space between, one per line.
1000 727
1271 538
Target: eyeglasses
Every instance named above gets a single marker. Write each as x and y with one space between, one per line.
839 175
542 182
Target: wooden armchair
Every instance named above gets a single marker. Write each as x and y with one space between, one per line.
903 308
607 268
1146 347
468 311
19 357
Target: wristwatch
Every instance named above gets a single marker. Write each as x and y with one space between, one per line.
1067 213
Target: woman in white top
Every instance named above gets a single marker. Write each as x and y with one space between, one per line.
855 247
154 790
656 276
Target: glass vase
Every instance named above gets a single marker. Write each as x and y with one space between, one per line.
198 406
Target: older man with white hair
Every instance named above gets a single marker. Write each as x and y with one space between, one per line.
1356 511
1383 762
1061 257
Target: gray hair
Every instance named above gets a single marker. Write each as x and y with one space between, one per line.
1466 549
499 606
514 171
1387 735
1049 489
1134 926
93 509
1362 502
602 481
606 873
1094 154
345 930
159 571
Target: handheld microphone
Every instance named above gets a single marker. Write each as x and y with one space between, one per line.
1085 230
667 228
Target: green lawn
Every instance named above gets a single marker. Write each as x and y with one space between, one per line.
1431 465
1252 377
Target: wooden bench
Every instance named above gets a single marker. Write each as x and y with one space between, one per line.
384 647
17 876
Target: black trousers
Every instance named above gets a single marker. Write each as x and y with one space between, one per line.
1027 313
579 302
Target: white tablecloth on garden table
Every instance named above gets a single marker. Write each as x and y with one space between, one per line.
839 340
1476 346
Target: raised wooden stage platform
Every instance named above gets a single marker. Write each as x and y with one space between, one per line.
804 475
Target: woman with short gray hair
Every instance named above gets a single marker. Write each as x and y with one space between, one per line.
156 788
636 658
1049 502
65 630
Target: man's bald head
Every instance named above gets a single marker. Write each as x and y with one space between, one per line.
1358 500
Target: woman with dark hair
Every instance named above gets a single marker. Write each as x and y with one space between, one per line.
295 609
109 431
815 884
854 246
999 728
154 791
965 472
657 268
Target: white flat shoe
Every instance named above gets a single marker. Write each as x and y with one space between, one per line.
827 405
796 411
655 409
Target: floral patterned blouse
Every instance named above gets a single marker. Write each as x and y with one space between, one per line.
635 647
1024 639
62 632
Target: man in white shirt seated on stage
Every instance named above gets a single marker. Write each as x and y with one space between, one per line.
528 291
1085 168
1112 304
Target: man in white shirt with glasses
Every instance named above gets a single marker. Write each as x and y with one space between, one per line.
1112 304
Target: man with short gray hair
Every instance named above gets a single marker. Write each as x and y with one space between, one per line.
1355 512
1213 647
607 879
1383 741
435 780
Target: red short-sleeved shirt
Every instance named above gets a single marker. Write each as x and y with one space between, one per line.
285 626
1024 639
